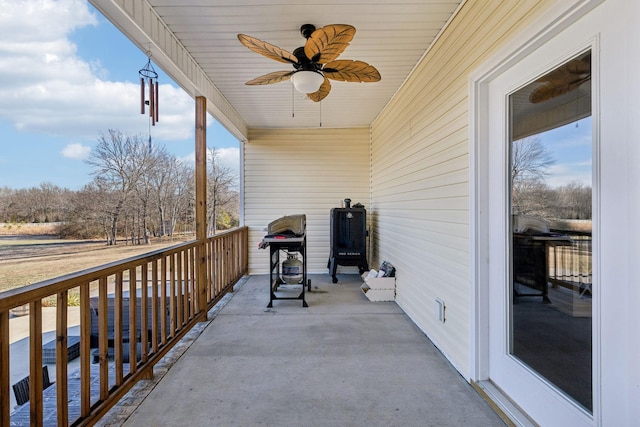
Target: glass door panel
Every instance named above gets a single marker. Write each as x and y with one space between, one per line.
550 328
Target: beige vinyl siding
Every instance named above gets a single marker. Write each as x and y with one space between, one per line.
420 174
305 171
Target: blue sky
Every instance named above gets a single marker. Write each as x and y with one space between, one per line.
571 147
66 75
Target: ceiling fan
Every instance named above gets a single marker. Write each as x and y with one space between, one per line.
563 79
314 63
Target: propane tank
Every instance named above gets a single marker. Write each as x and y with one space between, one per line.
292 270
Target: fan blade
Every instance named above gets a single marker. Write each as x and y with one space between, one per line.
351 71
553 89
562 80
267 49
267 79
321 93
327 43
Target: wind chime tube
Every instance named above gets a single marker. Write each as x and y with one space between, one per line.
157 98
152 103
141 95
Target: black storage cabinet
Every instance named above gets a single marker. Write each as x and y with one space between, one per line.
348 239
529 267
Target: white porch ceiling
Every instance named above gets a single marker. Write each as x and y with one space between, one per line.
392 35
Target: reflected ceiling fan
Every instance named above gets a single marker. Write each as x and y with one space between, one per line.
314 63
563 79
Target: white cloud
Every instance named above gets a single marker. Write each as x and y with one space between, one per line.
76 151
45 87
38 20
566 173
228 157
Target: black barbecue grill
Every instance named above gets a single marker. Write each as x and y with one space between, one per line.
288 235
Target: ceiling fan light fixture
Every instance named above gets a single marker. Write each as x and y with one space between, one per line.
315 63
306 81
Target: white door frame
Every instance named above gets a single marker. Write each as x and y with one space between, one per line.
554 21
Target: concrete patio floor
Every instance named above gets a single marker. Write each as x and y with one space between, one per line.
343 361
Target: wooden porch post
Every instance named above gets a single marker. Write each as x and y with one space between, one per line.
201 205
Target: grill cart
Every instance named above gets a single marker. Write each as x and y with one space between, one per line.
287 235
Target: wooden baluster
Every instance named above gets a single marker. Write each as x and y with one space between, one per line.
226 262
192 295
85 350
194 298
245 240
236 255
186 286
179 291
216 261
62 357
35 362
215 273
144 313
221 261
163 301
211 267
133 324
117 332
154 307
5 373
186 254
172 295
103 336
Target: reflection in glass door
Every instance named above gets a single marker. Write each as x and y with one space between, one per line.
550 257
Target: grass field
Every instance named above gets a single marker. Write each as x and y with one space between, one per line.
26 259
19 229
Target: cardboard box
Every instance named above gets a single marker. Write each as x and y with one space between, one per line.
379 288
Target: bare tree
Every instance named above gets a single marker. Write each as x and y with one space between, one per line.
158 161
135 190
88 219
220 183
529 163
119 161
529 159
5 202
532 196
48 201
45 203
182 200
171 184
574 201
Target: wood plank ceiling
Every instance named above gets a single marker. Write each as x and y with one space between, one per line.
392 35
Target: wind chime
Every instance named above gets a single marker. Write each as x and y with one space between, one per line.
149 76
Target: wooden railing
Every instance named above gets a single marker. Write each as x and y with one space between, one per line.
113 332
570 265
